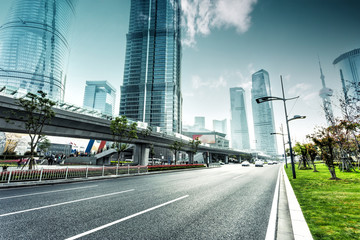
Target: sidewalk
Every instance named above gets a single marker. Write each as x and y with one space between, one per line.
291 223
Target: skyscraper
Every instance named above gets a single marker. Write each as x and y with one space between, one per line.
239 125
151 91
263 114
348 67
199 123
34 46
100 95
220 126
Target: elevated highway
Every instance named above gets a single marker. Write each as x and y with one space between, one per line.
78 125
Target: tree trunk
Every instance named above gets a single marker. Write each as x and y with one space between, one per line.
332 172
313 163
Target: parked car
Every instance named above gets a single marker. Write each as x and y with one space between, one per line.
270 163
275 162
259 163
245 164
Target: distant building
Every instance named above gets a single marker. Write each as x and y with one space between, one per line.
199 123
325 93
215 139
348 67
34 46
263 115
239 125
100 95
151 91
220 126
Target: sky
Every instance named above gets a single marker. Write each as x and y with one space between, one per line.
224 42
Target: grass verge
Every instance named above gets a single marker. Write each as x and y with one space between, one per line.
331 208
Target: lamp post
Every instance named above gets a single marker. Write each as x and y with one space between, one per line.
270 98
282 134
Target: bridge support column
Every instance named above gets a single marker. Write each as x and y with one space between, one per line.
238 158
141 154
226 159
191 157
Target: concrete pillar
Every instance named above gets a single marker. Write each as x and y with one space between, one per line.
141 154
226 159
238 158
191 157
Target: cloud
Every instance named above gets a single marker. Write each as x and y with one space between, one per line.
299 88
200 16
221 82
197 82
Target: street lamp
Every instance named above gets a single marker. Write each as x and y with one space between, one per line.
282 134
271 98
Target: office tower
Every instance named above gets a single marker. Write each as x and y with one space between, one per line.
348 67
239 125
220 126
100 95
263 114
325 93
199 123
34 46
151 91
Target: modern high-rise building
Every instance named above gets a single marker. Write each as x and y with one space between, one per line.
34 46
239 125
263 115
220 126
151 91
348 67
199 123
100 95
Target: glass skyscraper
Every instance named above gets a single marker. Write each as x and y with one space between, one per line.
239 125
263 115
100 95
348 67
151 91
34 46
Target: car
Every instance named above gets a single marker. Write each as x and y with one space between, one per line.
270 163
245 164
259 163
275 162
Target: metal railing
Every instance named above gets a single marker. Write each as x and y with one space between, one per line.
68 173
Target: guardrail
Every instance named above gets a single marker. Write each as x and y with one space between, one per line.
68 173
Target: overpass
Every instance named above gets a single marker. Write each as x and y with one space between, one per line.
79 125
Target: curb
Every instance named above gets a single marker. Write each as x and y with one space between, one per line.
271 229
300 228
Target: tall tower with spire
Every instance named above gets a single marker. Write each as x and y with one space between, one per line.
325 93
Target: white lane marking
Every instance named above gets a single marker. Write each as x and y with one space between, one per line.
123 219
63 203
271 229
31 194
237 177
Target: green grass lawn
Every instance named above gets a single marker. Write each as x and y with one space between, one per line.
331 208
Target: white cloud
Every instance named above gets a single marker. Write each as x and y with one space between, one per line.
199 16
220 83
197 82
299 88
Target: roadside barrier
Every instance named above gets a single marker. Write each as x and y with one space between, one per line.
68 173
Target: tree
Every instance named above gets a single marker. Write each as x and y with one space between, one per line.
38 111
312 152
123 133
176 147
300 150
194 145
326 143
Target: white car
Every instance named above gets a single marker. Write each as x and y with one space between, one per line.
245 164
259 163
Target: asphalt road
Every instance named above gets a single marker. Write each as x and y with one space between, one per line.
231 202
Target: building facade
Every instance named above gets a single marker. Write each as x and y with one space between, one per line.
263 115
100 95
34 46
239 126
151 91
199 123
220 126
348 67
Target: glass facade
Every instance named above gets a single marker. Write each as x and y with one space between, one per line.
220 126
34 46
348 67
263 114
151 91
100 95
239 125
